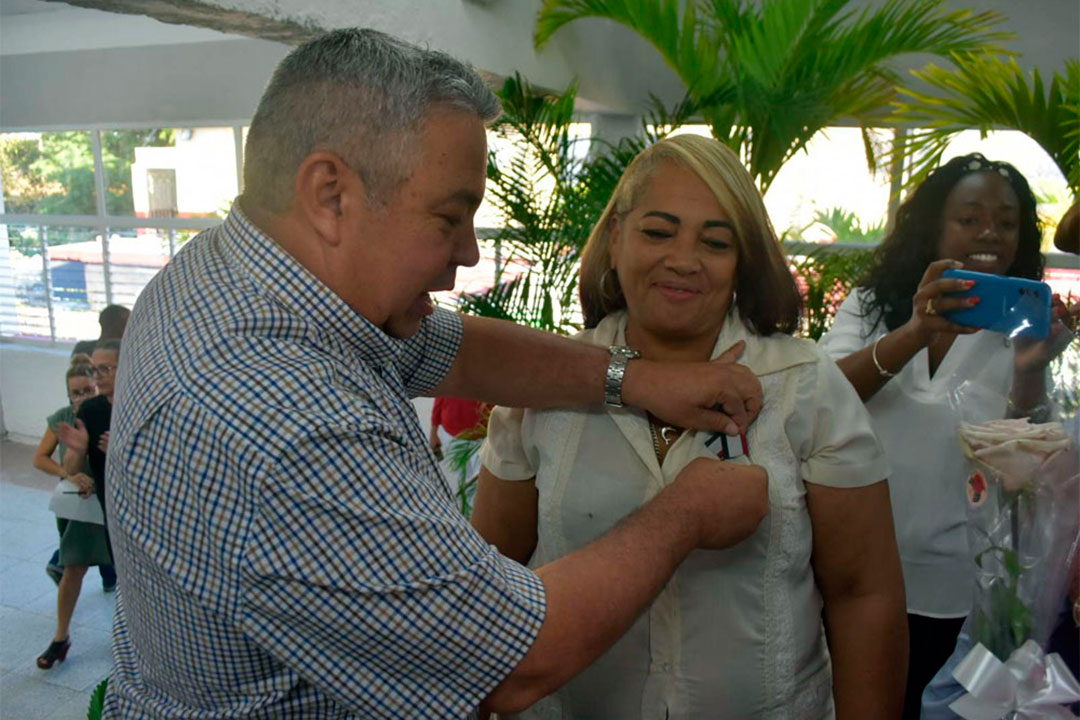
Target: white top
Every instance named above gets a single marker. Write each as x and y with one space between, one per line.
913 417
735 633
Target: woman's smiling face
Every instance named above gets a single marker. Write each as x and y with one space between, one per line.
981 223
675 254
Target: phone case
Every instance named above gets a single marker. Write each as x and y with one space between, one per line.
1016 307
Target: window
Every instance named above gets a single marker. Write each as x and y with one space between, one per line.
89 216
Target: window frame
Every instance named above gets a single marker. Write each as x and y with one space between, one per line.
101 222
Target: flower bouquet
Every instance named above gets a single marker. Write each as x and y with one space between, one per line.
1022 522
1023 517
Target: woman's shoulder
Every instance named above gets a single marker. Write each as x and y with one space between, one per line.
64 414
768 354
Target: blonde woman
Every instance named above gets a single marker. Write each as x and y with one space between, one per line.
684 265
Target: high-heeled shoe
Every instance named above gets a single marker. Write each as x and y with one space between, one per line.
57 650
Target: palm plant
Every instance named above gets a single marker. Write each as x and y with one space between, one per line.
549 195
986 92
825 275
767 75
846 227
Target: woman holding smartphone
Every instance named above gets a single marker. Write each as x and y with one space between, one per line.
893 342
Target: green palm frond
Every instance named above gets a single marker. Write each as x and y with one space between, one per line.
987 92
671 26
550 196
768 75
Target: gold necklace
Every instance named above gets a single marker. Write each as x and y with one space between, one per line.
669 433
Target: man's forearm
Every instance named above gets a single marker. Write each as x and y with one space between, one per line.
594 595
506 364
868 644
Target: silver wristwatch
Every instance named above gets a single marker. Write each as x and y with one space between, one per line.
616 371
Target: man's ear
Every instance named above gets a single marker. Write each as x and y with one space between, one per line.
323 188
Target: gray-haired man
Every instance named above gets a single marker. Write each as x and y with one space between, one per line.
286 546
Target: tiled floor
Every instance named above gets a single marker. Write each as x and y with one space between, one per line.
28 604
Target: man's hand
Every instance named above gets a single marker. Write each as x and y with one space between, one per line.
721 395
84 482
76 438
103 442
727 501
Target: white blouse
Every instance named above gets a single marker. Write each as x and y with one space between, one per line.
736 633
913 417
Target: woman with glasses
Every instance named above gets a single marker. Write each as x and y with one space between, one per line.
88 439
82 544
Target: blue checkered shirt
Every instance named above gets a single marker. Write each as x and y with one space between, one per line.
285 542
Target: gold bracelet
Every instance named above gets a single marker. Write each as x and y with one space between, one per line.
873 354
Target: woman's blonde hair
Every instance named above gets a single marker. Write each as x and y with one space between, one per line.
767 298
80 366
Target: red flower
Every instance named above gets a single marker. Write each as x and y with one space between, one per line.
978 483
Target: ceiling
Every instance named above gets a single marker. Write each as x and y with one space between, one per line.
24 7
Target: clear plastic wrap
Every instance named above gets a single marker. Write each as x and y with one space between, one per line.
1023 512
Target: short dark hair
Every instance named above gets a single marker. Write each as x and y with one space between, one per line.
904 254
361 94
112 344
113 321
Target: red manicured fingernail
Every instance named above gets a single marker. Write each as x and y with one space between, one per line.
974 300
969 283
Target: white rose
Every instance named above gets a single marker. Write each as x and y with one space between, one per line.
1015 449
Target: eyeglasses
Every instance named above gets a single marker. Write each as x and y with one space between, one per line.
103 369
88 392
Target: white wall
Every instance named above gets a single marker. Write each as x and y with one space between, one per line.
32 387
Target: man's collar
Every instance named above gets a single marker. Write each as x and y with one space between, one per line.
282 277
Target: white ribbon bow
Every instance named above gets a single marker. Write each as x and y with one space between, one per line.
1029 683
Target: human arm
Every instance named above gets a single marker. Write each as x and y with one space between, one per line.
77 440
504 513
506 364
412 598
854 556
505 507
1028 392
596 593
84 482
896 348
43 455
857 569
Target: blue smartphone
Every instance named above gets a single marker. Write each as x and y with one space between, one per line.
1016 307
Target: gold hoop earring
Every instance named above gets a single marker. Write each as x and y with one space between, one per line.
606 294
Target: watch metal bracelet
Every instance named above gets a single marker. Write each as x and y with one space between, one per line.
616 372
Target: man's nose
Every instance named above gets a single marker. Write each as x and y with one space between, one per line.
467 251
